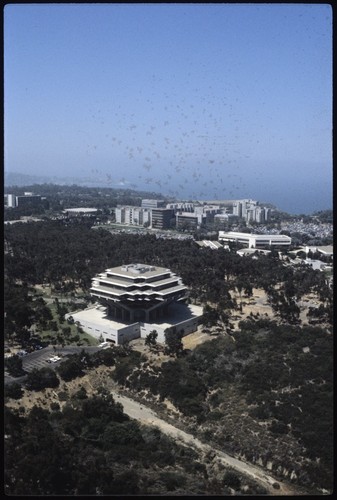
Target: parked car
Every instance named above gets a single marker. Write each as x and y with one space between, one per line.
53 359
104 345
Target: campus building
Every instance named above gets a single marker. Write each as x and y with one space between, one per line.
153 204
255 240
9 200
251 211
27 199
133 300
80 212
135 216
189 220
162 218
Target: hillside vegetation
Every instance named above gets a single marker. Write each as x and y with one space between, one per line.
262 392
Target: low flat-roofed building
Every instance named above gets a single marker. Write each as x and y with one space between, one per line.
256 240
214 245
252 251
325 250
181 318
80 211
98 324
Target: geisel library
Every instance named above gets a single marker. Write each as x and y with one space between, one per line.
133 300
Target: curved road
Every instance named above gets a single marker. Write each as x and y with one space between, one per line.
145 415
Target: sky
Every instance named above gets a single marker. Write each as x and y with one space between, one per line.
193 101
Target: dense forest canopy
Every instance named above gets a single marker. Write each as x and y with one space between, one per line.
260 391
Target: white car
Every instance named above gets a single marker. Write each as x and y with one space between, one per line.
54 359
104 345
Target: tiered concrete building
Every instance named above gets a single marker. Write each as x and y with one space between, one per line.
137 292
133 300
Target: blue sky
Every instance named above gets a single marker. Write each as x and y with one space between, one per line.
196 101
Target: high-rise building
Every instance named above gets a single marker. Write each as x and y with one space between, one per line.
27 199
10 200
136 216
251 211
162 218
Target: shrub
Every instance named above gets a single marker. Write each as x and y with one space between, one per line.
14 366
13 391
172 480
232 480
40 379
70 369
63 396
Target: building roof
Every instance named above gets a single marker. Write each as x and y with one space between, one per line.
234 234
137 282
214 245
252 251
81 210
133 270
326 250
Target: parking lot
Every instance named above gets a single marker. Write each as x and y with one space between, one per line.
39 359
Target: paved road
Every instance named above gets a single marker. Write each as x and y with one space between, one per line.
147 416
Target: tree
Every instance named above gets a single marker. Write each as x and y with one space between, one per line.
13 391
53 325
14 366
174 345
39 379
66 331
151 339
232 480
70 369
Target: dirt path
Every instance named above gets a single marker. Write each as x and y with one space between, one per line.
147 416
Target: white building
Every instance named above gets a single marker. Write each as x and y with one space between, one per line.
153 204
10 200
80 211
181 206
255 240
135 216
251 211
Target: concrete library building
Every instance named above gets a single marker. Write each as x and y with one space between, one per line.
133 300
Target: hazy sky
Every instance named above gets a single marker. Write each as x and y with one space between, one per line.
202 101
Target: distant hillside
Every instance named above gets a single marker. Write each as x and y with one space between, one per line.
19 179
50 185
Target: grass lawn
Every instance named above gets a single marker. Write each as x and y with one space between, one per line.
73 338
